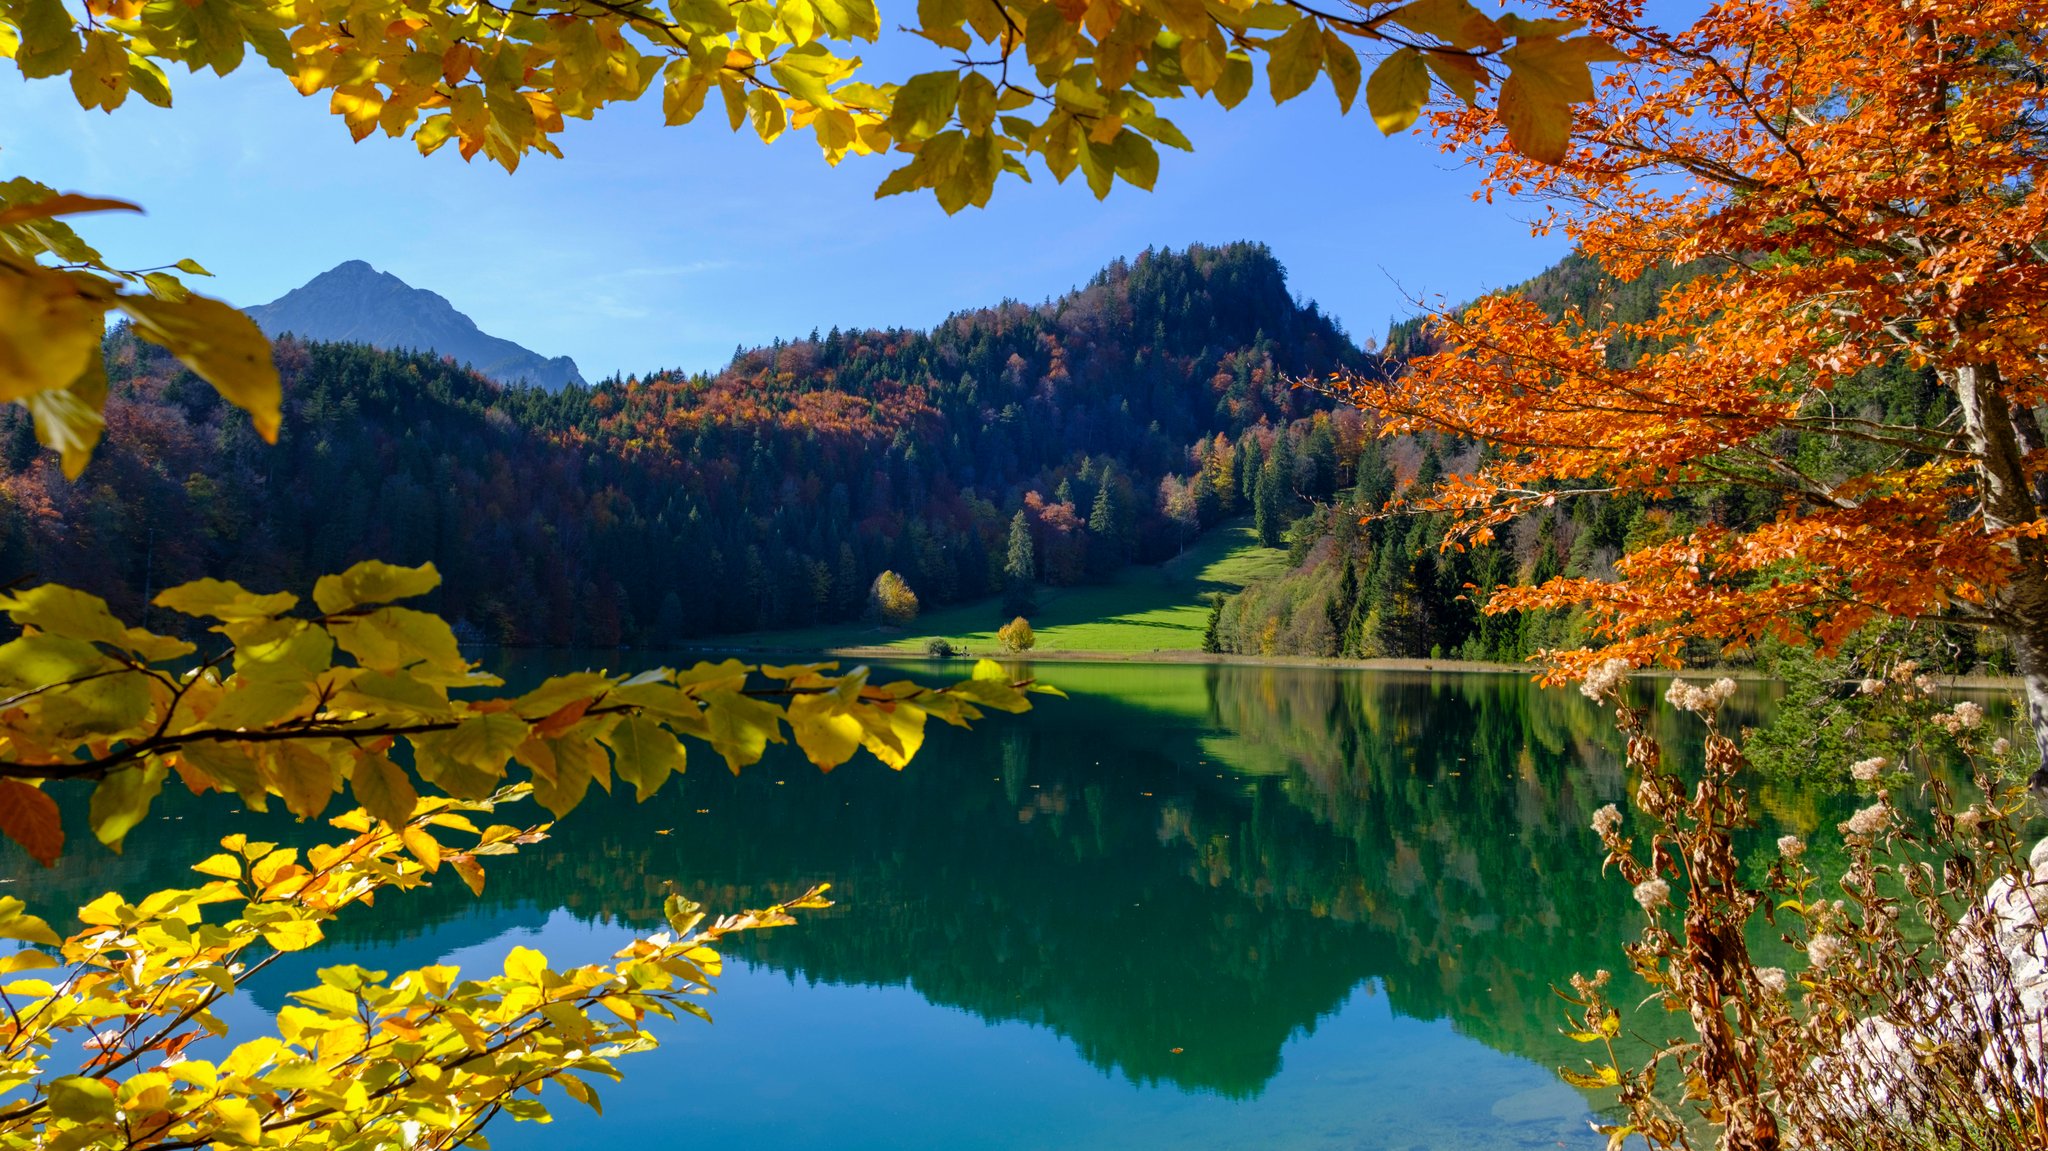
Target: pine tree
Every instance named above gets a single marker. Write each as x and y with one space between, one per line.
1020 567
1268 503
1212 638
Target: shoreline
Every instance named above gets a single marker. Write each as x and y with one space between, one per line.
1973 681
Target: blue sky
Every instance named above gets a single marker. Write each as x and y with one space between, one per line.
654 247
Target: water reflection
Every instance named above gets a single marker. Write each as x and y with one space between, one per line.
1181 875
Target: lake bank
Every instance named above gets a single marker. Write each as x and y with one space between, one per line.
1972 682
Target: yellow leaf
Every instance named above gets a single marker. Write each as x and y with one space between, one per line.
69 420
373 582
1456 22
826 733
486 742
49 330
60 610
222 866
646 754
80 1099
224 600
16 923
383 790
239 1121
1539 123
291 934
1342 65
122 799
423 846
100 77
1296 58
469 871
526 965
1397 91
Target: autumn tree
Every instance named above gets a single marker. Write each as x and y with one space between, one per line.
1178 502
1848 188
891 601
1017 636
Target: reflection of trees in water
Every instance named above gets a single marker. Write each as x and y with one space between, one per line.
1462 803
1085 869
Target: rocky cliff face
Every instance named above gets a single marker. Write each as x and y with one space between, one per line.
359 304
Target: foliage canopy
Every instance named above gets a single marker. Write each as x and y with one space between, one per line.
1849 186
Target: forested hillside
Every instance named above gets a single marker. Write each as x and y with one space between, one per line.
1387 586
1110 423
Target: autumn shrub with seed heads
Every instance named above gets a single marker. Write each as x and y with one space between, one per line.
1917 1022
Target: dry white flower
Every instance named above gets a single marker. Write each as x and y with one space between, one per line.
1686 697
1653 894
1868 821
1968 715
1871 686
1791 846
1926 684
1721 692
1772 979
1604 678
1606 820
1823 949
2001 747
1866 770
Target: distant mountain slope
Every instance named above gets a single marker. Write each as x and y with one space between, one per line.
665 508
355 303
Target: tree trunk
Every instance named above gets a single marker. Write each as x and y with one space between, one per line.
2020 608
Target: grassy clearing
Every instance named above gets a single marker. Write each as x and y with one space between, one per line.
1145 609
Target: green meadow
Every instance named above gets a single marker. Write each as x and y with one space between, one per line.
1145 609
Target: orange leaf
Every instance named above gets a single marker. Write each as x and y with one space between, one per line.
564 718
29 817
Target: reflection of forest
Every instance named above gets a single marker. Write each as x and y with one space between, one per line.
1138 881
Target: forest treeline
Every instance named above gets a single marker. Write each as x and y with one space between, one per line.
1101 428
1365 583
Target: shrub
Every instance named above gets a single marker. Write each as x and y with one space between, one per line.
938 648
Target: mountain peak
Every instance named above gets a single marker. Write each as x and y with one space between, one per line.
355 303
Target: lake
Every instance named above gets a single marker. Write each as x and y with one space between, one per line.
1190 907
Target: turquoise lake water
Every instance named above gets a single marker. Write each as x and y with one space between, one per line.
1188 908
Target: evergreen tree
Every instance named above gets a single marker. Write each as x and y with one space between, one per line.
1020 567
1268 503
1343 603
1212 638
1316 472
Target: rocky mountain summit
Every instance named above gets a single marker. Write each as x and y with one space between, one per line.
356 303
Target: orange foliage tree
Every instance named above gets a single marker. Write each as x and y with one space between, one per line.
1847 187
